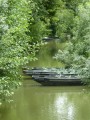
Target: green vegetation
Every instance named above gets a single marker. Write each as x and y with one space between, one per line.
16 42
45 54
76 55
23 24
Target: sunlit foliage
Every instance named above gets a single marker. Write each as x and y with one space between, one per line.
77 51
16 44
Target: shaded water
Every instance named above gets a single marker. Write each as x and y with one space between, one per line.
35 102
45 58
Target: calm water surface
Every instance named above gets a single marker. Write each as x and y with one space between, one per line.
35 102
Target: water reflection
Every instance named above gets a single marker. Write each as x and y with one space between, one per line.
64 108
48 103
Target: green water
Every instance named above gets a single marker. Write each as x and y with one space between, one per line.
45 58
35 102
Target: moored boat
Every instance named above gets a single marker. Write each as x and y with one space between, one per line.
57 81
54 77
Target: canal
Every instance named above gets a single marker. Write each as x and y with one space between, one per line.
35 102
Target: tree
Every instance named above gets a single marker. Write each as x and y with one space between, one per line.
76 55
16 48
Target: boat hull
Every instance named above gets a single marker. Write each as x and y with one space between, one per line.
59 82
49 77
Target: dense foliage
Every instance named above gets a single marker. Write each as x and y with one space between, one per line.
20 34
77 51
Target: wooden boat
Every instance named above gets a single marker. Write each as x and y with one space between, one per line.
39 71
50 77
42 71
47 39
57 81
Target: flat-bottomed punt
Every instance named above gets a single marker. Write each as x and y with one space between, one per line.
57 81
48 77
